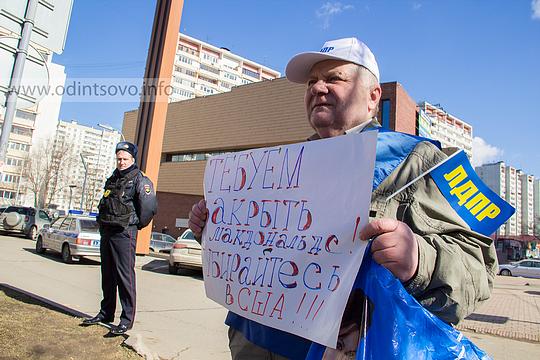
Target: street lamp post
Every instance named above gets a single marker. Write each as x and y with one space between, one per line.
103 128
71 194
111 129
84 182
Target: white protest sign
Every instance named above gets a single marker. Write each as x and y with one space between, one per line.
281 244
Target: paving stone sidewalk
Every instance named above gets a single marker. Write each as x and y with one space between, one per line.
513 311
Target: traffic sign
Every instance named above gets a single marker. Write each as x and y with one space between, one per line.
35 77
50 25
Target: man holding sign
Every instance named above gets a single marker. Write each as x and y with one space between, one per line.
441 259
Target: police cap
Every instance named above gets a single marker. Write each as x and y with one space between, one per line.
128 147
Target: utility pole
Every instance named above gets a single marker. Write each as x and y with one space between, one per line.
84 182
154 101
16 77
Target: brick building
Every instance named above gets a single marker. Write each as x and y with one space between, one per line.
261 114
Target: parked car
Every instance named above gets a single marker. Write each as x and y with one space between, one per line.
160 242
23 220
186 253
72 236
526 268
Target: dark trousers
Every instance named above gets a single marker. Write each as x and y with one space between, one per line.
118 272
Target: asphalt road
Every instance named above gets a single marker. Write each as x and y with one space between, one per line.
174 318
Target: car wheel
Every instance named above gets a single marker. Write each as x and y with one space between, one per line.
151 250
173 270
66 254
39 245
32 234
506 272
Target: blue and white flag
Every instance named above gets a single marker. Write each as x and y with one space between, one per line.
481 208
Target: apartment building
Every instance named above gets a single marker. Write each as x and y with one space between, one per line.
494 176
536 207
12 186
32 124
91 151
202 69
527 204
434 122
520 190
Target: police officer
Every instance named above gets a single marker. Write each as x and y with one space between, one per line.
128 204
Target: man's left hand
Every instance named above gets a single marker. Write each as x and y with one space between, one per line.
394 247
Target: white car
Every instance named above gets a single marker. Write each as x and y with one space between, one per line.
72 236
186 253
526 268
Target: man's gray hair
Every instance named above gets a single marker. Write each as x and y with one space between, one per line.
369 81
367 77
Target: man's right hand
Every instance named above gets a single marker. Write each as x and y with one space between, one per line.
197 218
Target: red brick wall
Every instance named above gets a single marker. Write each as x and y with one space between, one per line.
170 207
402 108
406 112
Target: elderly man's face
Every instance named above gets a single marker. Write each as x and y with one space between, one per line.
336 99
124 160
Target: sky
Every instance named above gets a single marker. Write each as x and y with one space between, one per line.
480 60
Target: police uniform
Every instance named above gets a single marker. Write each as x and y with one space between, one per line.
128 204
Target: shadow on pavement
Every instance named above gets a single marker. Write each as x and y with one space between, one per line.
33 299
162 267
530 292
54 256
488 318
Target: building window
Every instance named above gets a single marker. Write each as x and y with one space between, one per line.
14 162
184 93
210 58
385 114
206 89
211 81
18 146
210 69
185 60
190 157
188 50
25 115
250 73
229 76
7 194
11 178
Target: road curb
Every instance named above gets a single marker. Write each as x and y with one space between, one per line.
136 343
63 309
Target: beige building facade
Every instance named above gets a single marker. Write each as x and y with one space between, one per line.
202 69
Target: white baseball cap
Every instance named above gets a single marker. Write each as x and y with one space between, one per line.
348 49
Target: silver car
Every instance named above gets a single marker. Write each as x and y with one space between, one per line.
186 253
23 220
526 268
160 242
72 236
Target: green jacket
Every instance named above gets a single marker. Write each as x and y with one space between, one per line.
456 266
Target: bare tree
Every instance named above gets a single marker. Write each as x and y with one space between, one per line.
44 169
93 183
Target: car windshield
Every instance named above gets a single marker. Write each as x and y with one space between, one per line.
88 225
168 238
188 235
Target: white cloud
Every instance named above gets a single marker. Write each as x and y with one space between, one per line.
330 9
484 153
535 5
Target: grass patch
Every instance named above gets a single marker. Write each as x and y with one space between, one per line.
30 329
